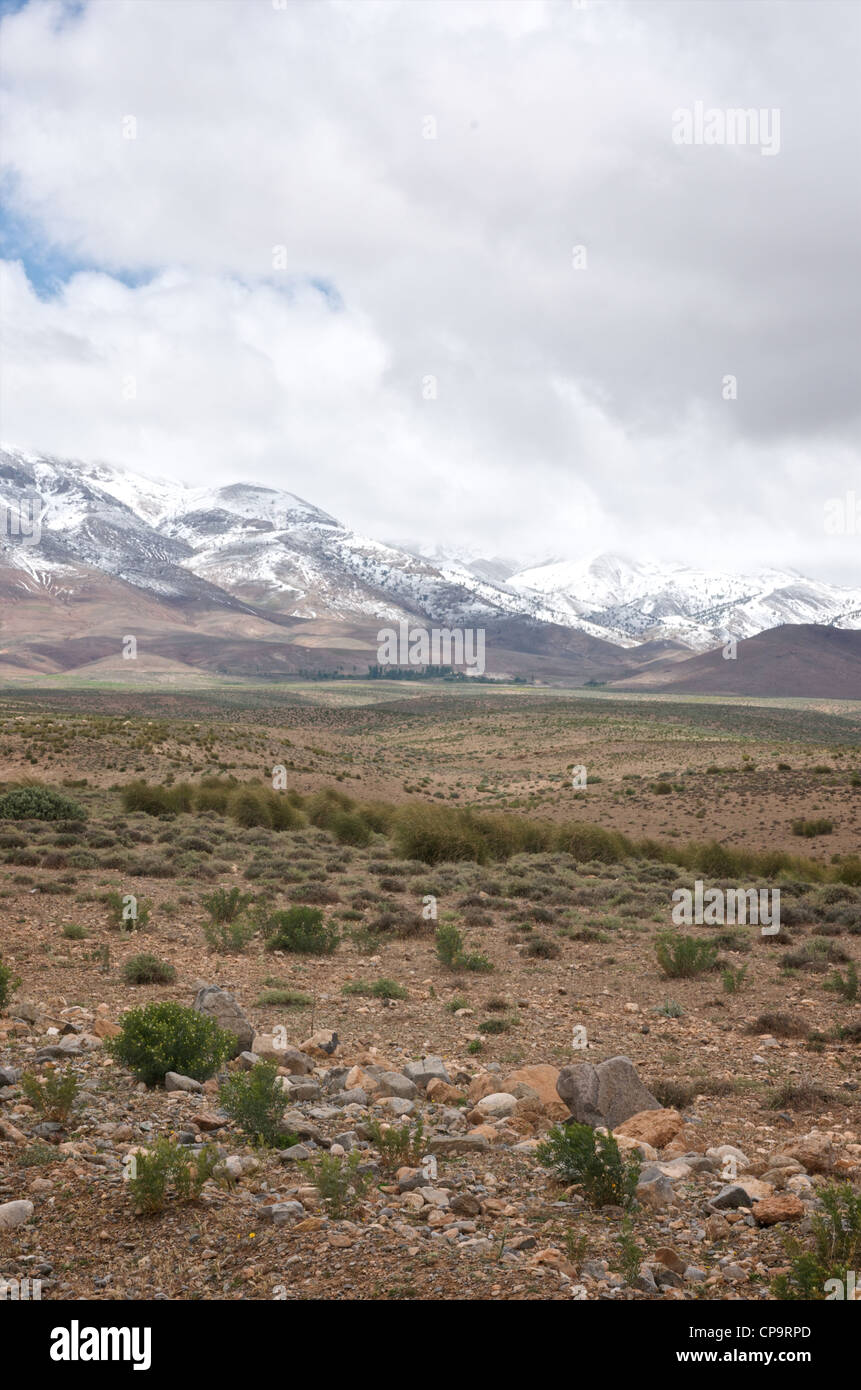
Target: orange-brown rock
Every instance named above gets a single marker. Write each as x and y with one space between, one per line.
655 1127
784 1206
541 1078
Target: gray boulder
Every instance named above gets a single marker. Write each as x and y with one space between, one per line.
424 1071
606 1094
221 1006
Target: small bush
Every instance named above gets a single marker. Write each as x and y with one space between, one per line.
810 828
302 931
163 1037
8 983
255 1101
225 905
579 1154
449 949
338 1181
229 938
153 1171
51 1095
127 912
376 989
73 931
399 1146
682 957
844 985
146 969
836 1248
39 803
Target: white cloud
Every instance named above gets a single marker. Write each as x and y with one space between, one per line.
575 409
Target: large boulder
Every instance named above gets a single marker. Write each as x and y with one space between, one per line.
606 1094
218 1004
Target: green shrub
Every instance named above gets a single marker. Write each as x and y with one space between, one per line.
126 911
146 969
52 1095
39 803
8 983
376 989
225 905
399 1146
302 931
733 979
338 1181
229 938
163 1037
286 998
682 957
844 985
155 800
73 931
450 950
350 828
153 1171
811 828
836 1248
579 1154
255 1100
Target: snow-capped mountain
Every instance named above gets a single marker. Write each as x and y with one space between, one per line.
261 550
624 600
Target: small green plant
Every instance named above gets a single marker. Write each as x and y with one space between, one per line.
225 904
576 1246
164 1036
630 1255
670 1009
734 978
73 931
474 1047
152 1172
338 1181
38 1156
682 957
376 989
229 938
836 1248
811 828
580 1154
450 950
399 1145
39 803
492 1026
285 998
126 912
52 1095
255 1100
844 985
301 930
146 969
8 983
456 1003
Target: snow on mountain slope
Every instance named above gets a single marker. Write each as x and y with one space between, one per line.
625 599
244 544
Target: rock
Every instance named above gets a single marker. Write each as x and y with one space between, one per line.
814 1152
422 1072
216 1003
303 1090
542 1079
655 1192
204 1120
717 1227
465 1204
725 1151
15 1214
670 1259
733 1195
755 1188
784 1206
606 1094
297 1153
104 1028
497 1105
394 1083
175 1081
654 1127
635 1146
457 1144
9 1075
359 1079
441 1093
280 1212
321 1044
248 1060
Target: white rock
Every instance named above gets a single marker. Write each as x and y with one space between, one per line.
15 1214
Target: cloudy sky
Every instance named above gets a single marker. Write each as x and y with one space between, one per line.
446 269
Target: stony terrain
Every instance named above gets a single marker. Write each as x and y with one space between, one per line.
741 1100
